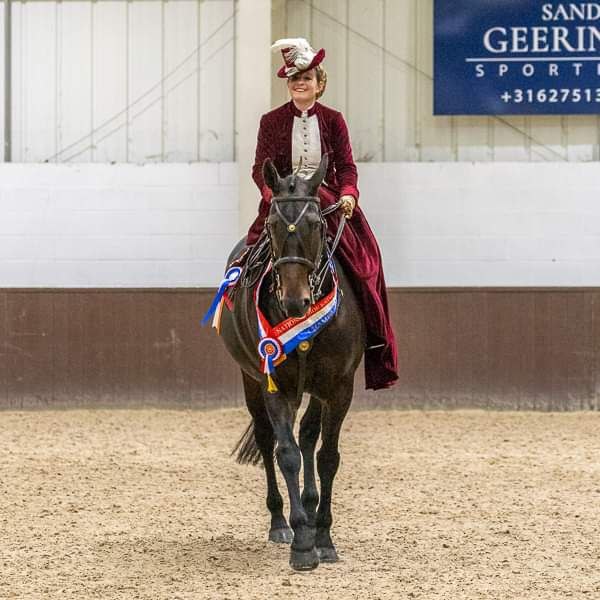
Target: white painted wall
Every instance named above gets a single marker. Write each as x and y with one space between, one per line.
485 224
253 84
91 225
165 225
123 81
154 81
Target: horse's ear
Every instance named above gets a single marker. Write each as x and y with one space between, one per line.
319 174
270 175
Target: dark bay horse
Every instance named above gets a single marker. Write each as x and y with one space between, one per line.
296 232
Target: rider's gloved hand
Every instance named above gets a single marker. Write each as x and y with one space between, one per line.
348 204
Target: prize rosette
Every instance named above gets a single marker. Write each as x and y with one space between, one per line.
269 350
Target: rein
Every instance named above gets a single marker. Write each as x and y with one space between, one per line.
330 250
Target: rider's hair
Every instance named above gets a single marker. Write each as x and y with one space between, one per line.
321 79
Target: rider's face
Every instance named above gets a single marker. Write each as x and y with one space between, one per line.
303 87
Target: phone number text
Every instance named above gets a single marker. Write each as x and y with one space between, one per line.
552 96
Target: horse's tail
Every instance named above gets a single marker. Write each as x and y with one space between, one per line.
246 448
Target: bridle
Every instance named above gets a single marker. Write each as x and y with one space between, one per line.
292 230
316 274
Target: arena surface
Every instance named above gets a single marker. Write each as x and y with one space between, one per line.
147 504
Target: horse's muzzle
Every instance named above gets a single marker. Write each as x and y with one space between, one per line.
295 307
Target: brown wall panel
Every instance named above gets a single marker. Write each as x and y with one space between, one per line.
4 350
480 348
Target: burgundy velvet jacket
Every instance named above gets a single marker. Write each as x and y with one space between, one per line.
358 250
275 142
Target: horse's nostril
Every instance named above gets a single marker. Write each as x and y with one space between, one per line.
306 302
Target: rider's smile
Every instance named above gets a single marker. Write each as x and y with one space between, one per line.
304 88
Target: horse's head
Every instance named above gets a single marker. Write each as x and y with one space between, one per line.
296 231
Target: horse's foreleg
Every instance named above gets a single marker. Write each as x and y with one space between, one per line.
303 553
279 531
265 440
310 427
328 460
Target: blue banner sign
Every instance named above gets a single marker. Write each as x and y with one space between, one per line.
516 57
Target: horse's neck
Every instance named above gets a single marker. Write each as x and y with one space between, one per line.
267 300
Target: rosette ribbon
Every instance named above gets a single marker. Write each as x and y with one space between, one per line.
269 350
278 341
231 277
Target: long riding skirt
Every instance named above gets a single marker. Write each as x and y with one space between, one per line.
359 255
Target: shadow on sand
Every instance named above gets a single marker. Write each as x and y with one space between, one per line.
158 557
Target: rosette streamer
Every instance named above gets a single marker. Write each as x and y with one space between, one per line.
231 277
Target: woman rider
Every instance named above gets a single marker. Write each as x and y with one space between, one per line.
296 135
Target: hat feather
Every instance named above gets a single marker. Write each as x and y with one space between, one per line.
296 43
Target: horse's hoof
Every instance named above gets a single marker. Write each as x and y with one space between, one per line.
306 560
328 555
281 536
